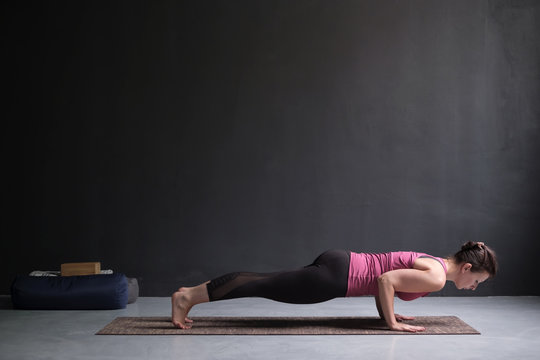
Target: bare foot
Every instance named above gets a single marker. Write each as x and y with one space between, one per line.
183 300
181 304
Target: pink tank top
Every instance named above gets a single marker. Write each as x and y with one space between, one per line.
364 269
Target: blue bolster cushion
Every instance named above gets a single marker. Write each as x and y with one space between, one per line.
88 292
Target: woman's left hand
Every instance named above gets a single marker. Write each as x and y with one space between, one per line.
402 317
407 327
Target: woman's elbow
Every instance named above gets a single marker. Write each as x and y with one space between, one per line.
383 280
437 282
440 282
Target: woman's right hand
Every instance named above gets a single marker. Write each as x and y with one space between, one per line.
406 327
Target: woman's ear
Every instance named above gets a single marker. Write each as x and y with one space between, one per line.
466 267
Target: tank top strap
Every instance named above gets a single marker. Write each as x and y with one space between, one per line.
440 260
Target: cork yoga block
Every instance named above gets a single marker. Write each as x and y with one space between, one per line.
86 268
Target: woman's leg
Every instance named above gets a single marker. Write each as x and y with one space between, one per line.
326 278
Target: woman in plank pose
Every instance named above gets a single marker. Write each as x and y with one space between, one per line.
339 273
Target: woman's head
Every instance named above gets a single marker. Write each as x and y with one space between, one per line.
480 257
475 263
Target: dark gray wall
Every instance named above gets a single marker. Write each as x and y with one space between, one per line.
174 141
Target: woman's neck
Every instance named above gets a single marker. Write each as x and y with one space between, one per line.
453 269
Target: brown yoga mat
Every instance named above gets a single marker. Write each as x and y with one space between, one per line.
435 325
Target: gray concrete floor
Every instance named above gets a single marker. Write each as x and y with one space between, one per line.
510 328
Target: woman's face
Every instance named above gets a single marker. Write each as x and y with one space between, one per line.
468 280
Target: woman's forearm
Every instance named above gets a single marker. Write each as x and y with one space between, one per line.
378 305
386 300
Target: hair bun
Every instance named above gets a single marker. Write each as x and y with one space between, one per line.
470 246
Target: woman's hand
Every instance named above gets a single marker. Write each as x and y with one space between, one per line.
402 317
406 327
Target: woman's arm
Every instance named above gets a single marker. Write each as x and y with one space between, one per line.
378 305
406 280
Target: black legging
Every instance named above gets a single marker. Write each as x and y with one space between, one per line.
325 279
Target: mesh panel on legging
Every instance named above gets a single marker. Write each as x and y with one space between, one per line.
326 278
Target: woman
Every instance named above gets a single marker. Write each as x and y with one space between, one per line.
340 273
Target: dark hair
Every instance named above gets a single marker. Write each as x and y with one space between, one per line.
480 256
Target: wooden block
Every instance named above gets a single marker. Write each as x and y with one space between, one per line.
86 268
